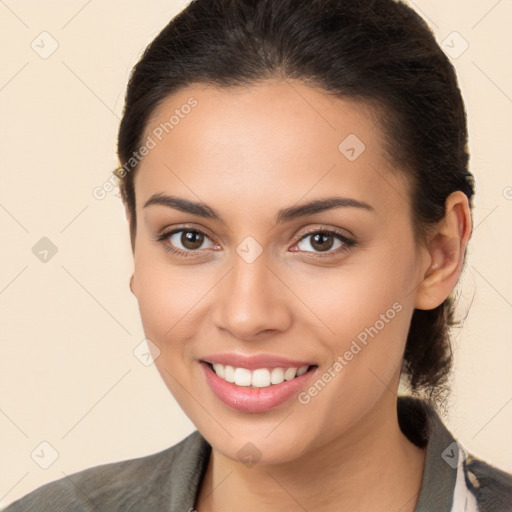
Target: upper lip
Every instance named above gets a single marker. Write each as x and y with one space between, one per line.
256 361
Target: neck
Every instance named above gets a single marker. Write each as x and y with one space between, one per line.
371 463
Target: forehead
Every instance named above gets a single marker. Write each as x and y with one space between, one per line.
279 141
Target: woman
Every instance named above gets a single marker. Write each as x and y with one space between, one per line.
295 176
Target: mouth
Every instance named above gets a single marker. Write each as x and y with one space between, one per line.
259 377
257 390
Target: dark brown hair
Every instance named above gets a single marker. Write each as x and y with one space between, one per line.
378 51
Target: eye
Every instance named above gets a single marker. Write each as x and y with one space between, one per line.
325 241
185 242
189 240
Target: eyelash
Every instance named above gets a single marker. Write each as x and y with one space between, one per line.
348 242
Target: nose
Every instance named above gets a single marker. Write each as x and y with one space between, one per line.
251 301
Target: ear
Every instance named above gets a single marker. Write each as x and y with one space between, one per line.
444 254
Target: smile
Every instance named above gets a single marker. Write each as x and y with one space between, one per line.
258 389
258 378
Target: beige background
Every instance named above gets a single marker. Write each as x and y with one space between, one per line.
68 374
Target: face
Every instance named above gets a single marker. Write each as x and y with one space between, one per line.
285 242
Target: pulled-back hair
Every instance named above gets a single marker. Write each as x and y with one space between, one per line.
377 51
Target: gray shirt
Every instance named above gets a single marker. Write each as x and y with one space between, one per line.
453 480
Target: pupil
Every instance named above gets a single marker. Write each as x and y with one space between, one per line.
191 240
321 246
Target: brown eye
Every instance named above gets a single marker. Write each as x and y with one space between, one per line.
191 239
321 242
186 240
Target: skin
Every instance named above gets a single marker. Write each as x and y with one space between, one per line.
247 153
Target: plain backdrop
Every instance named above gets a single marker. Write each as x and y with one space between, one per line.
76 390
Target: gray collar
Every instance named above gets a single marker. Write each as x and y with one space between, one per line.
422 425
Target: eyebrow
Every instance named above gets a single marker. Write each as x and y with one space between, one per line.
284 215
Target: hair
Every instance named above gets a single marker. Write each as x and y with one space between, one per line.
376 51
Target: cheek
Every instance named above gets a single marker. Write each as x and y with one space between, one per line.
368 320
168 297
343 303
363 316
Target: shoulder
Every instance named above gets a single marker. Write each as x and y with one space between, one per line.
144 483
491 486
453 479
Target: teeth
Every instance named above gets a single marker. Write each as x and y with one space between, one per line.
260 378
277 376
229 374
290 373
301 370
219 370
242 377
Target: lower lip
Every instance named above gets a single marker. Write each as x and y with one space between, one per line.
248 399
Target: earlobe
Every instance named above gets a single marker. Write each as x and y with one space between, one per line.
446 251
131 284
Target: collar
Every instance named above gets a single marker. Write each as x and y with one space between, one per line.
423 427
